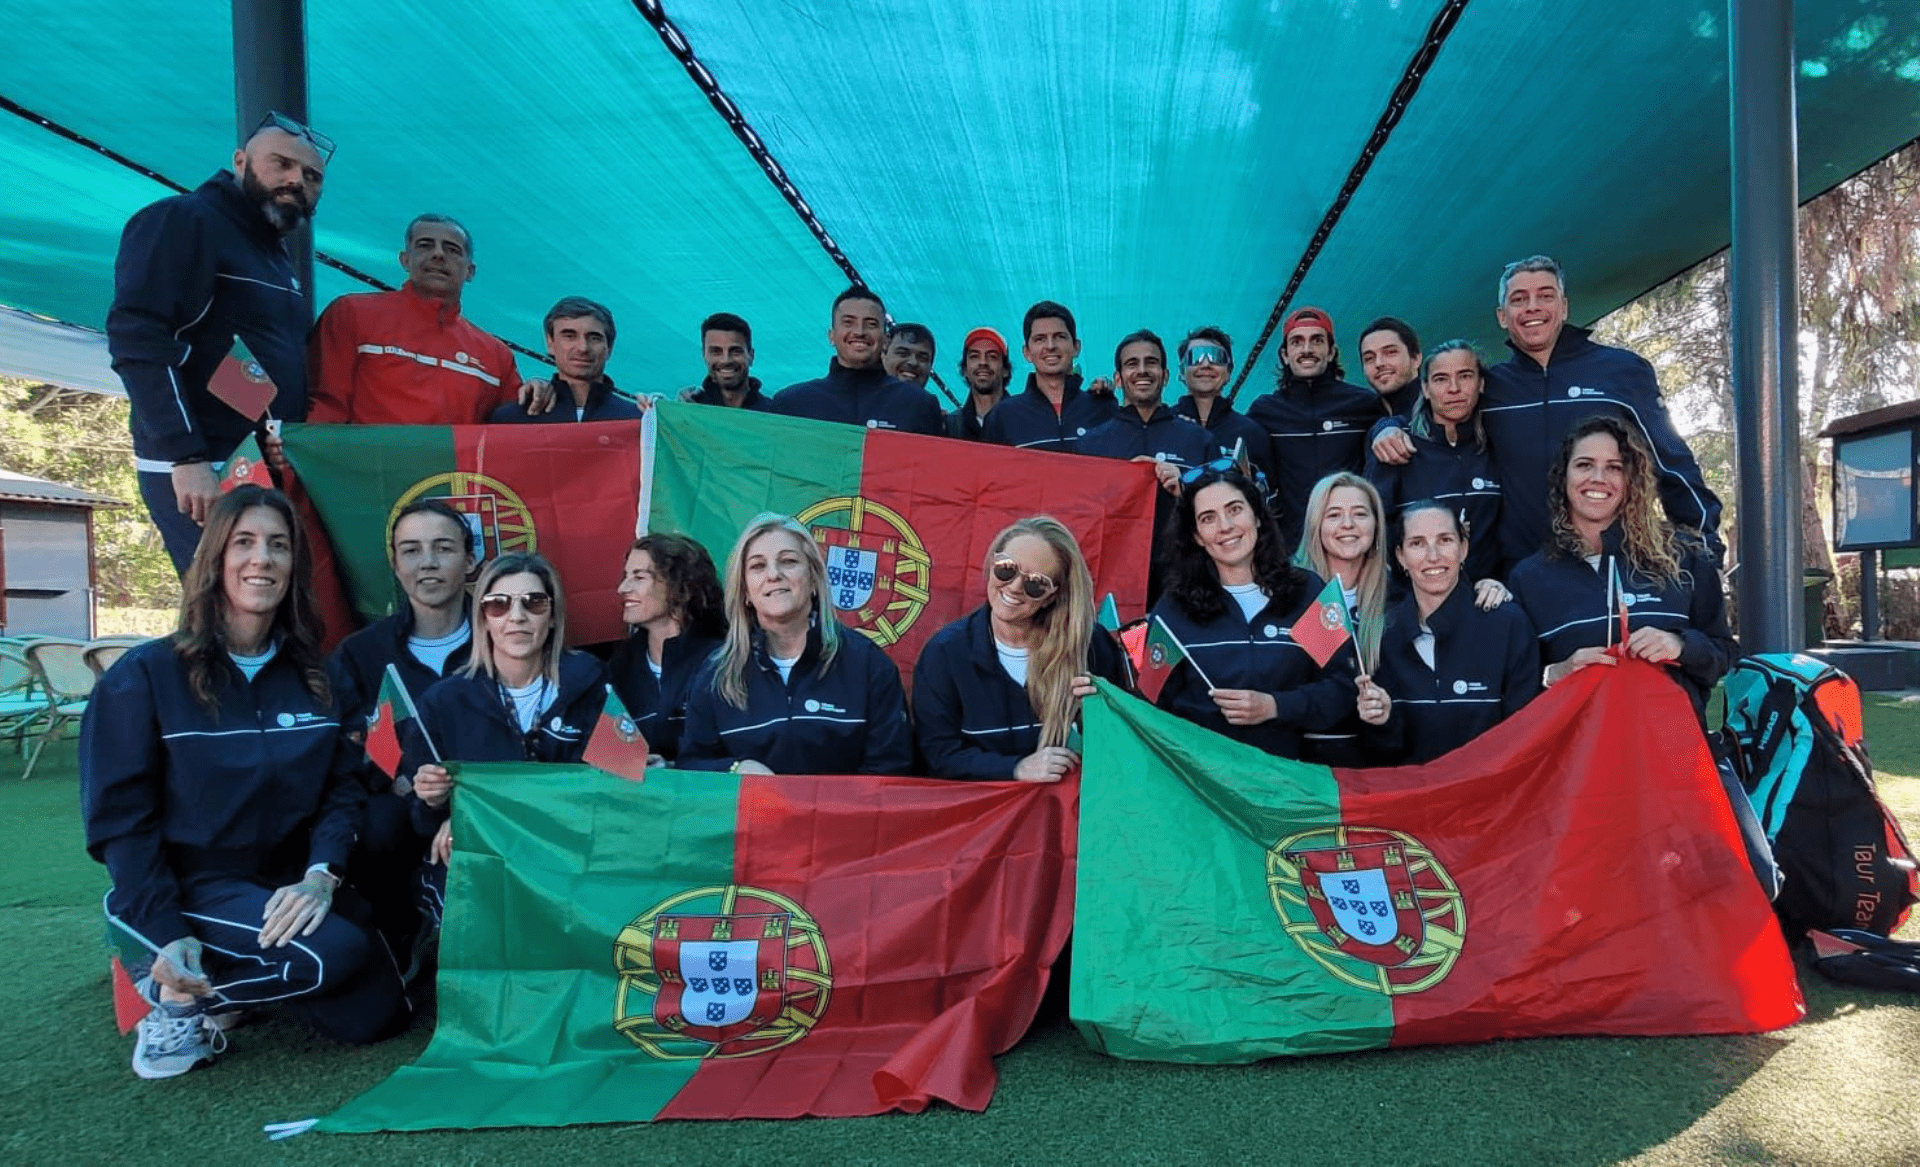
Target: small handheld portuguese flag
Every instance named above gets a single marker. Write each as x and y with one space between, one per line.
1161 651
246 464
616 744
394 706
1575 870
241 382
1324 626
706 946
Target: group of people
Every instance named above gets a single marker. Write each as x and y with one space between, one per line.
1484 525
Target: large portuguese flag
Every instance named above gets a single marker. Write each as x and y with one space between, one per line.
903 519
565 491
1574 871
710 946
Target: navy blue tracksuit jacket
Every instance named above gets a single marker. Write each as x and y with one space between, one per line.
1459 476
849 717
864 397
604 403
1566 599
471 720
1318 426
970 720
658 705
1228 429
194 272
1261 654
258 790
358 665
1486 665
1529 410
1027 419
1164 437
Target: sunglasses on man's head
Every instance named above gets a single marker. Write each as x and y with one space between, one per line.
498 604
1036 585
1205 354
1221 466
279 121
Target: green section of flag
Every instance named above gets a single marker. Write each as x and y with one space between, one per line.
1179 952
355 476
710 470
550 864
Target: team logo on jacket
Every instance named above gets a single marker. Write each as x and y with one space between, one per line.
720 972
878 572
1373 907
497 520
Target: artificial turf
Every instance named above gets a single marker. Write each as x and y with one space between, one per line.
1842 1087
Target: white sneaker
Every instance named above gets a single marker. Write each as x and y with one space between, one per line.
173 1039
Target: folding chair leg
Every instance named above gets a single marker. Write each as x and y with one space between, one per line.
39 745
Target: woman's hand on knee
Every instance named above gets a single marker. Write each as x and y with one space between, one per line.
297 909
433 784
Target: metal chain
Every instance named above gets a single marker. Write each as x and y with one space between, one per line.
676 41
1402 96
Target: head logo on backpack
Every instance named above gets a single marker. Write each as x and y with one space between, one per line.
1795 731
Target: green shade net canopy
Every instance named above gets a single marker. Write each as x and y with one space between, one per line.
1150 165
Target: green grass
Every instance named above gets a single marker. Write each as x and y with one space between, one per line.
1842 1087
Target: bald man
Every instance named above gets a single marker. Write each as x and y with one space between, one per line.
196 272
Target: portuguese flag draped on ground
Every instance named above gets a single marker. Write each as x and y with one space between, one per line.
1575 871
904 520
565 491
710 946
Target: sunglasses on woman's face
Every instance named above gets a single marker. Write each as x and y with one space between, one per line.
497 604
1036 585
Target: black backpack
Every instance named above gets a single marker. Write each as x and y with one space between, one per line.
1795 732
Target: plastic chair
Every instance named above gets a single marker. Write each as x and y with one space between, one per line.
62 670
100 654
21 703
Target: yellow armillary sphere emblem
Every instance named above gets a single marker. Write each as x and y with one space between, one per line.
878 571
720 972
1372 906
497 519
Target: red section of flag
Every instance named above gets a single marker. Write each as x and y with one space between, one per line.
568 492
617 745
337 617
940 943
1160 651
246 465
128 1005
240 382
1322 628
383 740
1664 930
954 500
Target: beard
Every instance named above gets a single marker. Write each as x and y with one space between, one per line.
284 217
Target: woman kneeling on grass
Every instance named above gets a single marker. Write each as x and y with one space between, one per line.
219 791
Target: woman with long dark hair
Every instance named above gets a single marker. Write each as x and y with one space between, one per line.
996 693
1612 546
670 600
217 787
1232 600
790 691
1448 670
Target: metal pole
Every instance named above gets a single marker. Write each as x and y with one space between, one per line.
1869 595
1763 286
270 73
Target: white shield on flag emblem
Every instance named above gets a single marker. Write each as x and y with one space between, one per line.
721 977
850 575
1362 896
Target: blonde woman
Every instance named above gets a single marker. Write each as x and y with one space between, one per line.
1346 539
790 691
996 693
522 697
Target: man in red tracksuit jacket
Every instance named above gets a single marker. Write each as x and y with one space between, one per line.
408 357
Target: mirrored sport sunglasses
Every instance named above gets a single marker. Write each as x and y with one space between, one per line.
1221 466
298 129
1036 585
498 604
1205 354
